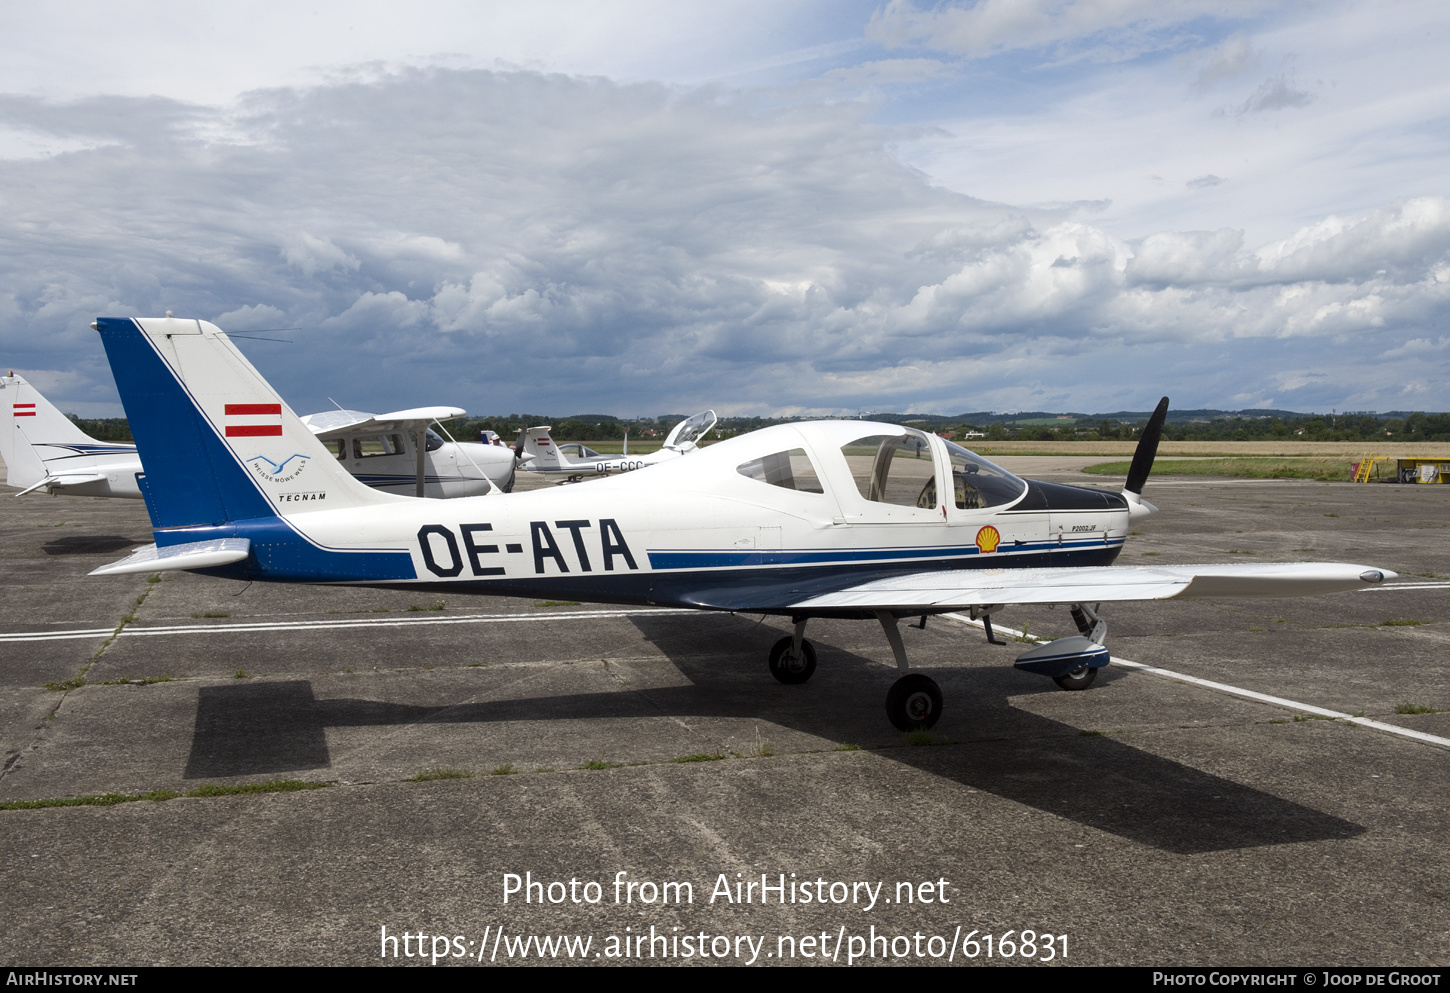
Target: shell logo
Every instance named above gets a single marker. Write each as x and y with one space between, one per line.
988 539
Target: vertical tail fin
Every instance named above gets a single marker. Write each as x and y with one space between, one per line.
43 423
23 467
545 454
218 442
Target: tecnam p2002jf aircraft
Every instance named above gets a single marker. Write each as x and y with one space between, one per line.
820 519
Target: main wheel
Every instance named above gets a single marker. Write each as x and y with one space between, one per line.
1078 679
790 666
914 702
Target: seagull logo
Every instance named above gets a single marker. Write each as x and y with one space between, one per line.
279 472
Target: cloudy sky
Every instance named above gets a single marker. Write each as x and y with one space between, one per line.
644 207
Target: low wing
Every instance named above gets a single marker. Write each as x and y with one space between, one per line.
982 587
333 424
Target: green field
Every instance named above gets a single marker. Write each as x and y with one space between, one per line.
1327 470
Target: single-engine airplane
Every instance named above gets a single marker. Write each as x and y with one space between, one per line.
43 448
819 519
540 453
384 451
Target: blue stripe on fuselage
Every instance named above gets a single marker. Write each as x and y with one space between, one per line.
766 590
720 559
280 553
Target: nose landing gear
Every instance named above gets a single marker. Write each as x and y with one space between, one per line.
791 663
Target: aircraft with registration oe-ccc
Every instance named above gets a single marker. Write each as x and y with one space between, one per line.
851 519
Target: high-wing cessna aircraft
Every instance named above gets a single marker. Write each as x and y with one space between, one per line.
43 448
384 451
818 519
540 453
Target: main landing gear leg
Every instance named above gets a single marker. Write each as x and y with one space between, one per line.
793 659
914 701
1095 629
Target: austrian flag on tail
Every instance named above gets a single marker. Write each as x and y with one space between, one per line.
254 420
23 409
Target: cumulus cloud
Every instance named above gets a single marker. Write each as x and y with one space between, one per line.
312 255
518 240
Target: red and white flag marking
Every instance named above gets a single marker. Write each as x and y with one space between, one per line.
23 409
254 420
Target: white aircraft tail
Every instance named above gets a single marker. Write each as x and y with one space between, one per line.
218 442
42 422
23 468
541 451
30 419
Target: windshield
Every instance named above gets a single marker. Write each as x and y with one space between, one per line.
978 483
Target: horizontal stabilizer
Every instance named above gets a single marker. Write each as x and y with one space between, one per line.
69 479
192 555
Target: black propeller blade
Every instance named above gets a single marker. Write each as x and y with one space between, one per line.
1147 449
519 445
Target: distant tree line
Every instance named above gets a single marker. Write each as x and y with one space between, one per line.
1366 427
1309 427
104 428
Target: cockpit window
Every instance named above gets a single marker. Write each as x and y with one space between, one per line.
370 446
792 470
895 469
979 483
431 441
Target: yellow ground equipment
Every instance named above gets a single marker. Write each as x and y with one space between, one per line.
1412 469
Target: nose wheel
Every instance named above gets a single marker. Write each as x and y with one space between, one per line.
791 665
914 702
1079 679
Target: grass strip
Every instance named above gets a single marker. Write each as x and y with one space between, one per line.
156 796
1324 470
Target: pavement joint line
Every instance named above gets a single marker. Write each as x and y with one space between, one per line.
1277 701
172 629
213 790
1404 586
77 680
